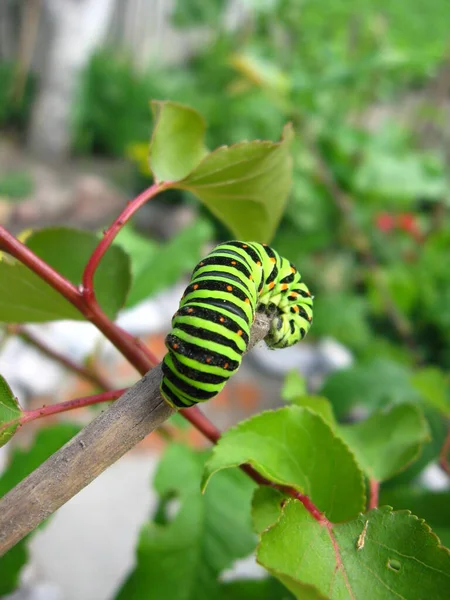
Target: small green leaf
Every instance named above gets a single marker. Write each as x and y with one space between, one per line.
319 405
180 557
246 186
177 144
266 507
68 251
294 386
167 263
382 555
295 447
434 387
22 463
10 412
388 441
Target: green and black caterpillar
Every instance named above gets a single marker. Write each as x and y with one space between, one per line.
211 329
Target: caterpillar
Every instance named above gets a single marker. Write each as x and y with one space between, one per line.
211 329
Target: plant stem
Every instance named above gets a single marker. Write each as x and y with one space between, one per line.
111 233
374 486
79 370
53 409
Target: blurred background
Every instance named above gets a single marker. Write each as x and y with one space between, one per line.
367 88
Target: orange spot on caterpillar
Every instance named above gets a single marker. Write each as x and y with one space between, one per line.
201 264
190 310
222 319
250 277
195 286
293 295
293 270
258 262
264 244
208 359
284 286
295 308
225 366
229 288
239 332
233 262
247 300
244 246
273 259
271 285
174 346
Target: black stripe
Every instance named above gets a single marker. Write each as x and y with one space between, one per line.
224 261
200 353
272 275
292 325
227 305
170 395
248 250
302 312
210 285
196 374
215 316
210 336
220 275
288 278
268 250
185 387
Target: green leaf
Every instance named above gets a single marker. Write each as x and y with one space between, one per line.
10 412
246 186
373 384
259 589
433 385
167 263
434 507
266 507
27 299
68 251
21 464
15 185
177 144
294 385
388 441
351 328
320 406
180 557
398 556
295 447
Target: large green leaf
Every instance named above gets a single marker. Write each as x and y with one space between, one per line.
10 412
169 261
68 251
181 557
26 298
433 506
246 186
293 446
380 555
388 441
433 384
21 464
177 144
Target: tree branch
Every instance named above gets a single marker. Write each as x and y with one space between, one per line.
101 443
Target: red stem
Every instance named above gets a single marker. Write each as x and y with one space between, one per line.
53 409
374 486
110 234
79 370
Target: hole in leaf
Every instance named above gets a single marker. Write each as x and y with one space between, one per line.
394 565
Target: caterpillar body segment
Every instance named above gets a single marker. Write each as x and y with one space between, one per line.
211 329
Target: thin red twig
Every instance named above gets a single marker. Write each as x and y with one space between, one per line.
79 370
111 233
374 486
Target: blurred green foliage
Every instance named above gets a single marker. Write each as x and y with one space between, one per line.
15 98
